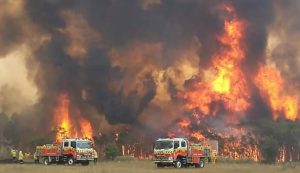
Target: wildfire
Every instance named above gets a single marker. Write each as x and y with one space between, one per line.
229 84
198 136
282 155
184 123
86 128
236 149
67 127
237 144
270 84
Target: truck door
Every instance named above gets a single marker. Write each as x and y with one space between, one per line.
183 147
65 147
177 149
68 149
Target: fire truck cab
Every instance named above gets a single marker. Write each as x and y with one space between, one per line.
68 151
179 152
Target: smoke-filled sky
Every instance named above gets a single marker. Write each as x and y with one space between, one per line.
124 62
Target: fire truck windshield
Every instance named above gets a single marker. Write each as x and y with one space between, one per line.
165 144
83 144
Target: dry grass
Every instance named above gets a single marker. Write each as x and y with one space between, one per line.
144 167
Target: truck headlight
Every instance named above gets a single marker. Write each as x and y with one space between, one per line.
170 158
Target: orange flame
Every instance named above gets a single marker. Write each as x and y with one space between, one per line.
184 123
67 127
270 84
198 136
233 147
86 128
228 84
237 150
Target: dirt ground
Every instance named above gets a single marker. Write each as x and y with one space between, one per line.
146 167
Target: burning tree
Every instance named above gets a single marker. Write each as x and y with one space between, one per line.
67 127
228 92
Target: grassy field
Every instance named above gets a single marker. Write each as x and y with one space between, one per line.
145 167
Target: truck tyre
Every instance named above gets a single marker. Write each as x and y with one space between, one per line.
178 163
46 161
201 163
70 161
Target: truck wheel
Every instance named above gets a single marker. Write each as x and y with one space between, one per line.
46 161
178 163
201 164
70 161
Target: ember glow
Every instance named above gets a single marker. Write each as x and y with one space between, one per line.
68 127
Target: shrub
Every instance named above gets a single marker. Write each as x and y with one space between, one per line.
269 149
111 151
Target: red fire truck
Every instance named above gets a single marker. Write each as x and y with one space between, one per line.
180 152
68 151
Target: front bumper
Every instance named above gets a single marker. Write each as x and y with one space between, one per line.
163 161
82 159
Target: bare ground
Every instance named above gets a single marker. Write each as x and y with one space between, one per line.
146 167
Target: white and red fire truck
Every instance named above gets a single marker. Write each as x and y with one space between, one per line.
180 152
68 151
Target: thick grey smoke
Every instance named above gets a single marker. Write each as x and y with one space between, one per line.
118 83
